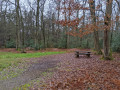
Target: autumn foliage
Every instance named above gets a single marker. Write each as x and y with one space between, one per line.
70 8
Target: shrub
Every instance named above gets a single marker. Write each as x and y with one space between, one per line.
10 44
116 42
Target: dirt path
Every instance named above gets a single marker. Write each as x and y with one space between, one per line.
33 72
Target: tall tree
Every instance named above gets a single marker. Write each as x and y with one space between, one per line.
107 54
42 22
66 28
23 33
96 35
17 25
37 24
58 2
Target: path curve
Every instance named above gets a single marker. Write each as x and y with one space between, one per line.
33 72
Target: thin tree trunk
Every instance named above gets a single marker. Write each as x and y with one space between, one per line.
117 23
53 29
68 36
5 28
66 29
17 25
111 36
43 28
23 38
58 34
37 25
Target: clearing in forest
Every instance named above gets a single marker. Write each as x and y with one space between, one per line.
64 71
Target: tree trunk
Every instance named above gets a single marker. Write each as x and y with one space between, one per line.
37 25
53 29
23 39
43 28
17 25
5 26
107 54
96 36
66 28
58 34
117 23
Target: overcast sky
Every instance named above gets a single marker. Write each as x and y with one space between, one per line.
26 5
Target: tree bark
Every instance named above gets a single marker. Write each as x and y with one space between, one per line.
37 25
23 32
96 35
66 28
43 28
107 54
17 25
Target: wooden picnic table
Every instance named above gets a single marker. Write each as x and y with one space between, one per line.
87 53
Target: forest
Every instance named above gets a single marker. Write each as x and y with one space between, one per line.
48 32
60 24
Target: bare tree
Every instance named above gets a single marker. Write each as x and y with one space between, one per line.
107 23
42 21
96 36
37 24
17 25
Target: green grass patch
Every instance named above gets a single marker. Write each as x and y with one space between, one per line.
27 55
8 59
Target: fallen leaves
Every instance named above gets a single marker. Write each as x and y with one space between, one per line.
116 82
85 74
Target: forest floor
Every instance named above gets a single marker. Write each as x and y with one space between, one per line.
64 71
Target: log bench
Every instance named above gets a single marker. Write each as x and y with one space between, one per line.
87 53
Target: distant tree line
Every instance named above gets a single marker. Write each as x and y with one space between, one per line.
60 24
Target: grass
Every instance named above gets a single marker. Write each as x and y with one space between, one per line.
26 55
8 59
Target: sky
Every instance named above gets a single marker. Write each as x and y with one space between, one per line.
24 3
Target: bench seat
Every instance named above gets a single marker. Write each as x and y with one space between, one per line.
77 53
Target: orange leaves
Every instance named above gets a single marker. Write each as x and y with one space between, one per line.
98 6
87 29
70 81
117 17
70 23
116 82
77 28
84 73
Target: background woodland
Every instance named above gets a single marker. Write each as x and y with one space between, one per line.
40 24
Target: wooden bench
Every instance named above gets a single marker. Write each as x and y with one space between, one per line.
87 53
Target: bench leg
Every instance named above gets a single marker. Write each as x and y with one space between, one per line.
88 55
77 56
